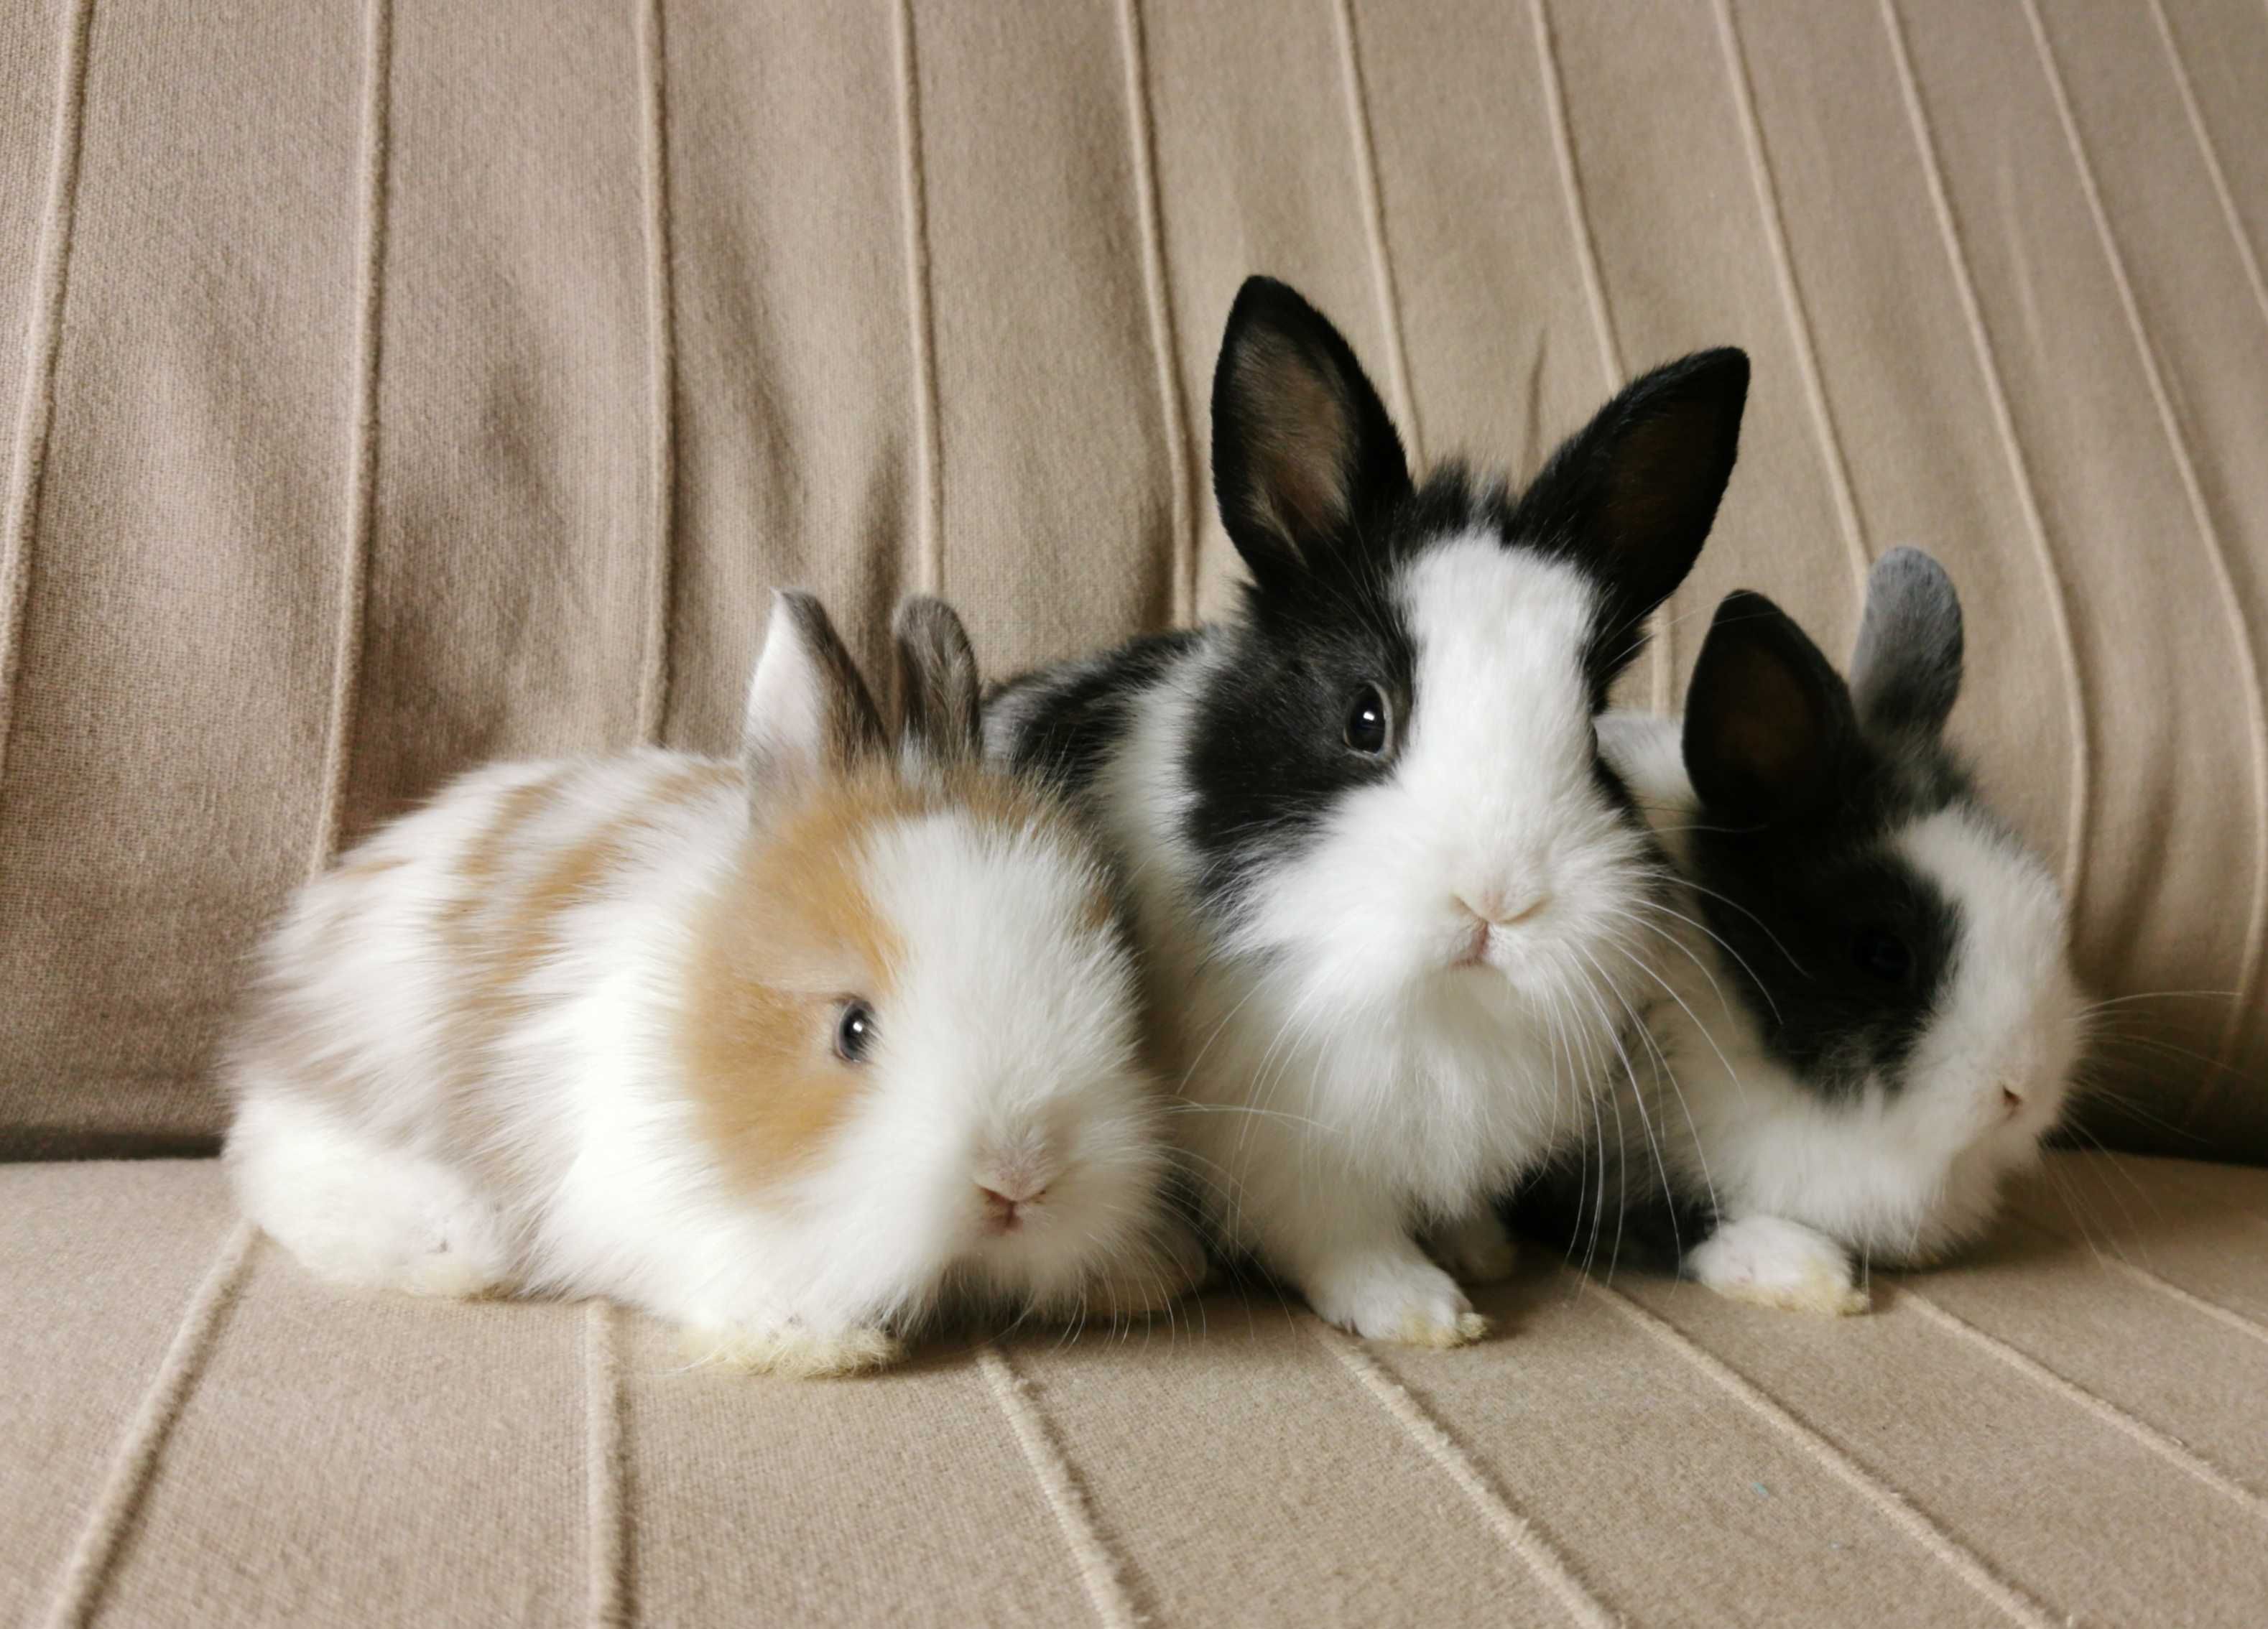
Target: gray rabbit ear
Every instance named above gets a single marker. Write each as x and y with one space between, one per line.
1905 669
938 700
809 713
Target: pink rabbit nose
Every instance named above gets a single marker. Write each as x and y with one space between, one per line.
1491 912
1504 910
1001 1210
2012 1101
1476 944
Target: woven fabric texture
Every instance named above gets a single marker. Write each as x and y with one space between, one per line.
391 386
2070 1427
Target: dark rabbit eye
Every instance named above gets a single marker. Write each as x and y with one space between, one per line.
854 1032
1369 725
1884 954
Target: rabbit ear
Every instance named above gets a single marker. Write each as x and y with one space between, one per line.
809 713
1302 448
1905 669
1768 722
1631 496
938 694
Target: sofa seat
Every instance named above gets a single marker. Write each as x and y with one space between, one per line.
2071 1426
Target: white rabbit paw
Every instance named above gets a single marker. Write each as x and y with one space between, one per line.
453 1255
793 1350
1476 1250
451 1274
1391 1298
1775 1263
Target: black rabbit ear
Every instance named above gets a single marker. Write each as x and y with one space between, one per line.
1905 669
1768 722
938 694
1302 448
1632 494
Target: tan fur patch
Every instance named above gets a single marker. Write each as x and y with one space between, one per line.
696 780
484 857
534 929
285 1036
531 926
366 867
793 936
790 937
501 938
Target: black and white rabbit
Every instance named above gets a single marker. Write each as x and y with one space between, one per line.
1378 867
1877 1023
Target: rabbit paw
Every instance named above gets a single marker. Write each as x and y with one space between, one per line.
1775 1263
1409 1301
795 1350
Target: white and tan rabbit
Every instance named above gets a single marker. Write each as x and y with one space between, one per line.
792 1051
1875 1022
1378 867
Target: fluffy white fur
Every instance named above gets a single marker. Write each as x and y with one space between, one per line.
1345 1083
569 1158
1899 1177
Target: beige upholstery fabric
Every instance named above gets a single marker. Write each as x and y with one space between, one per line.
394 385
2071 1428
391 385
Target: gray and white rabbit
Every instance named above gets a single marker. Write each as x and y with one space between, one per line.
1875 1023
1379 869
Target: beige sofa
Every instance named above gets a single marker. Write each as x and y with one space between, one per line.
393 385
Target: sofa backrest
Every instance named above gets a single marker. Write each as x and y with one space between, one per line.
394 387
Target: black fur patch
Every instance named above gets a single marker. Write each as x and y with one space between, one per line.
1267 756
1840 948
1796 906
1600 1220
1070 717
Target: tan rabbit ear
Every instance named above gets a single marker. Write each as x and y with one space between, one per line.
938 694
809 713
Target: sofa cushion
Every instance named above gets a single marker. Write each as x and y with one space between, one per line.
2070 1425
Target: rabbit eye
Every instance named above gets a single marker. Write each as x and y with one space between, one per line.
1878 951
854 1032
1369 723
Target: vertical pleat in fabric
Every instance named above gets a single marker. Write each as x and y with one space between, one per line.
174 654
803 404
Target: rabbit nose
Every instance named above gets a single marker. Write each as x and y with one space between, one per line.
1001 1209
2012 1101
1496 907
